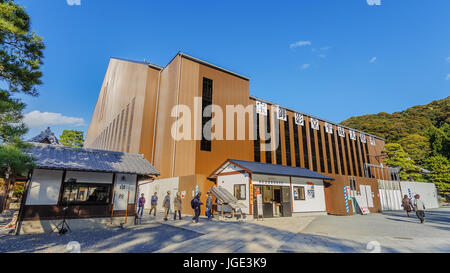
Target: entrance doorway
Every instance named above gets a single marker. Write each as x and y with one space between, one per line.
276 201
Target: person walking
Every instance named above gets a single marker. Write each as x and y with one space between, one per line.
196 206
406 204
177 206
166 205
419 206
141 203
209 206
154 203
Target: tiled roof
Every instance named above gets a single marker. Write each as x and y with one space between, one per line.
46 134
273 169
82 159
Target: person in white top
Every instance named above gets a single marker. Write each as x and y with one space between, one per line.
419 207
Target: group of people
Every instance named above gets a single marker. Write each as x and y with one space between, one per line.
417 205
195 204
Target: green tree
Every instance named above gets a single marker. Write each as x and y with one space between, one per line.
397 157
21 54
416 146
439 166
440 140
21 50
72 138
13 162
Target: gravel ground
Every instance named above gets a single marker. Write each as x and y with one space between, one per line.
136 239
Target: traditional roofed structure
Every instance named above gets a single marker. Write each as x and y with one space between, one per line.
46 136
93 160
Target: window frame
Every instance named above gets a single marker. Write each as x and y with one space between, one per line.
238 186
299 195
87 185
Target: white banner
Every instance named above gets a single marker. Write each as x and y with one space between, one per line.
372 141
281 113
299 119
328 128
261 108
314 124
362 137
341 131
352 134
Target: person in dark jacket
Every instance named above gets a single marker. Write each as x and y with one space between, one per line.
406 204
141 205
177 206
154 203
166 205
197 205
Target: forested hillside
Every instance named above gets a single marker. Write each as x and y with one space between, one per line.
420 135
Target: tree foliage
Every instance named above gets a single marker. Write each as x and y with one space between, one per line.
21 50
72 138
397 157
21 54
423 134
439 166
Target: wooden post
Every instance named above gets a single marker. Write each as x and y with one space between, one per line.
126 207
112 205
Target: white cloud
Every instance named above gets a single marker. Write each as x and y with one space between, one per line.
322 55
300 43
325 48
305 66
373 60
36 119
447 59
447 77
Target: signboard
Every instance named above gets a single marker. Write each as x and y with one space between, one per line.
281 113
251 194
362 137
372 141
311 192
352 134
124 188
328 128
259 204
341 131
299 119
183 194
261 108
314 124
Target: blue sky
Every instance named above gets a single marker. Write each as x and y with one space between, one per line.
332 59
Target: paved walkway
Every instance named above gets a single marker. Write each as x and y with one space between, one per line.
389 232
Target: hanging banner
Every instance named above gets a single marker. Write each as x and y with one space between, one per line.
299 119
352 134
314 124
328 128
341 131
281 113
372 141
362 137
261 108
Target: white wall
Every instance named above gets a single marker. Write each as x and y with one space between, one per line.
161 186
228 182
45 187
427 192
124 183
309 204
